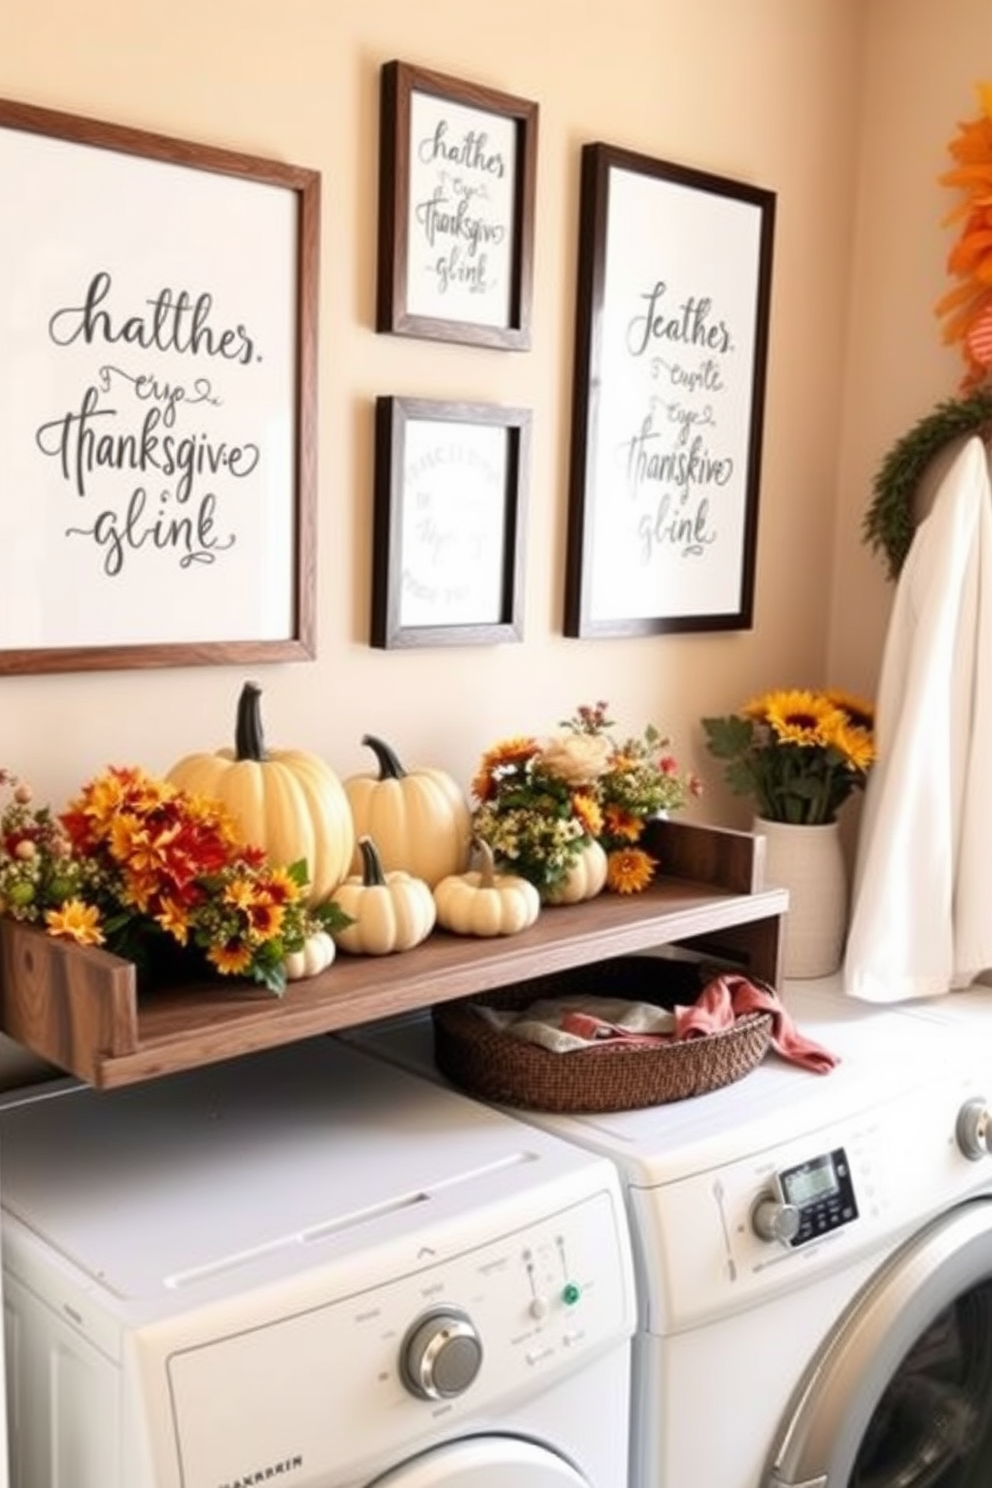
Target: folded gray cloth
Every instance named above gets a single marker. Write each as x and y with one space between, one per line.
541 1022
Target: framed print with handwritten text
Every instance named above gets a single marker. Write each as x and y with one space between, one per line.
450 496
158 323
457 178
668 397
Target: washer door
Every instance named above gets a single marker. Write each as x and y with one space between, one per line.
901 1395
484 1462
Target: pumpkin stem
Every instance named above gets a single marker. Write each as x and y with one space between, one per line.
249 742
487 865
372 875
389 766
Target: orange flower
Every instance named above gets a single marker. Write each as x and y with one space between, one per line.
966 309
76 921
504 755
629 870
620 823
587 811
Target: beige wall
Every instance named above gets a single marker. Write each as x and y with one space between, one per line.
762 90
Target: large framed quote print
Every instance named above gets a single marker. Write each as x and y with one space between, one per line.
671 340
158 335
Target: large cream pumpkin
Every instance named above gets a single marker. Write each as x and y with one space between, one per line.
418 819
287 801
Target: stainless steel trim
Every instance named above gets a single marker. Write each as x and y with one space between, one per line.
835 1402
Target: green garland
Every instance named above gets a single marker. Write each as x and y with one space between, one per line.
888 523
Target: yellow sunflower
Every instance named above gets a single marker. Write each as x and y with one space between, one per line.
860 712
856 745
800 717
231 960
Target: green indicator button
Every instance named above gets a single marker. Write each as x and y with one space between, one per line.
570 1294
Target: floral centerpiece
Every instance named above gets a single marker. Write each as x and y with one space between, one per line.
137 865
798 754
539 802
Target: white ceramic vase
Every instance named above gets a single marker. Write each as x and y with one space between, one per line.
809 862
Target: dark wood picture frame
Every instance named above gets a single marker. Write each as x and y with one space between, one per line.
456 210
148 282
451 485
671 339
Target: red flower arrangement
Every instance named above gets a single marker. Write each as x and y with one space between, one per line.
135 862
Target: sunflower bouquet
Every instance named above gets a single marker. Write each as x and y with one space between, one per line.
139 866
539 802
798 754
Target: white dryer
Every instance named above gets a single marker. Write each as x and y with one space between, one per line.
306 1268
814 1258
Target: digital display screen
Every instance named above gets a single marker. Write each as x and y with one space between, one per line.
815 1180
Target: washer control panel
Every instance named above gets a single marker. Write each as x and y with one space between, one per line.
461 1330
818 1193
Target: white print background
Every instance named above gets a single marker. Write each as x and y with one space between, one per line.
453 541
448 277
71 211
701 246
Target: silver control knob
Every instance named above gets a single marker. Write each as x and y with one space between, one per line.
771 1219
974 1129
441 1355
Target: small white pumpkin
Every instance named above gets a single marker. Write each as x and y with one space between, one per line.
584 880
315 956
391 911
486 903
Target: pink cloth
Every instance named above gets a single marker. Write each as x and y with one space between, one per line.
721 1002
730 996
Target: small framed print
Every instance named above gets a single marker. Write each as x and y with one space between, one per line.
668 397
457 182
450 495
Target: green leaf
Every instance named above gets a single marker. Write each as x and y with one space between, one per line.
330 916
729 737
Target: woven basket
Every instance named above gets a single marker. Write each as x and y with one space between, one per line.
497 1066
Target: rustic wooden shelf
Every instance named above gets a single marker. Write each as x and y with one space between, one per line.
79 1008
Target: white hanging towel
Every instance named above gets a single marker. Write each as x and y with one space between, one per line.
921 904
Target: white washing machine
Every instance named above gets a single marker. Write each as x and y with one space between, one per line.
309 1269
814 1257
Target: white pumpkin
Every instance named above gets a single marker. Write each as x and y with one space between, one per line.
315 956
584 880
390 911
485 903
